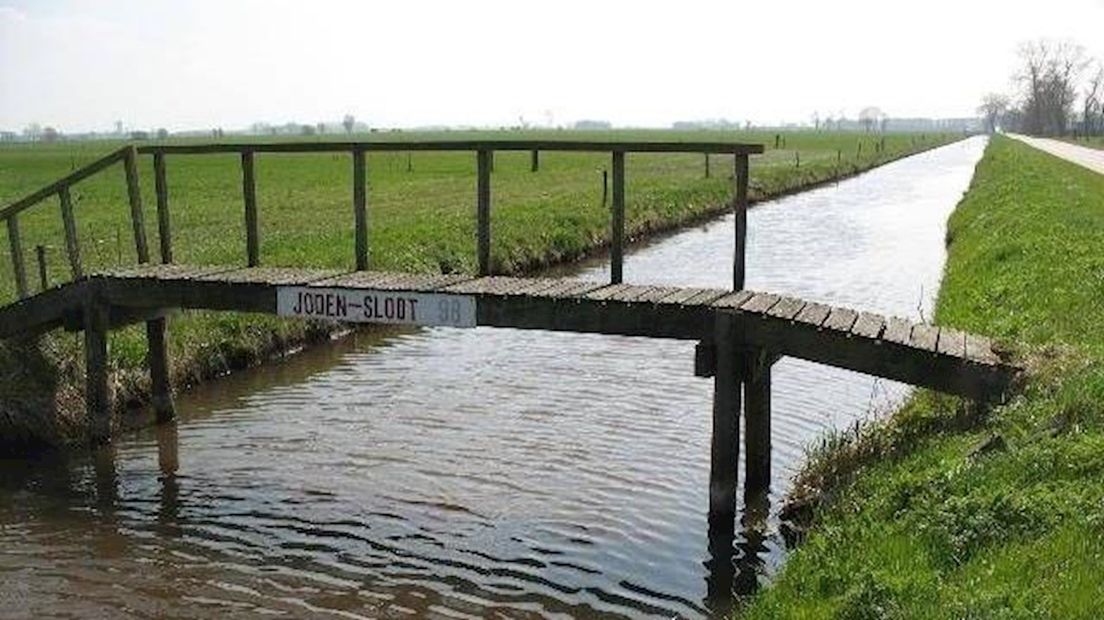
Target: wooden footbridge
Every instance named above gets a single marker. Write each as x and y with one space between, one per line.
741 333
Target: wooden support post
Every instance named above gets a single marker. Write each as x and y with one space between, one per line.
707 165
534 160
97 391
740 206
757 421
725 445
72 245
617 220
605 187
483 211
16 248
164 227
249 193
134 193
360 209
43 278
158 362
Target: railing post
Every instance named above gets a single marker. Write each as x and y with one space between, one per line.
72 245
740 206
158 362
617 219
130 165
534 160
249 194
164 226
360 208
483 210
707 165
16 248
43 279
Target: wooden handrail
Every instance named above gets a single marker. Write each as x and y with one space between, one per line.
63 183
458 145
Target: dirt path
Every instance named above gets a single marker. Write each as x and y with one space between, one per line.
1093 159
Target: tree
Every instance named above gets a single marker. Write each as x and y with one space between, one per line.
33 131
162 133
50 134
348 123
1047 80
870 117
1092 113
992 109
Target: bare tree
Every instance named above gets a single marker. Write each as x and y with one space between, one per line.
1092 114
870 117
992 109
348 123
1047 79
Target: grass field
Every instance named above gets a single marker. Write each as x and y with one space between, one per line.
421 213
1096 142
949 512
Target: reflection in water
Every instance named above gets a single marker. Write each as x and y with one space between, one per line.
476 473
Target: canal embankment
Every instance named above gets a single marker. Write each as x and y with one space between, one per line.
949 510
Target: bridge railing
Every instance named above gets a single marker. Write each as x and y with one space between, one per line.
483 150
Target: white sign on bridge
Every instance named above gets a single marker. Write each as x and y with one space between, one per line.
369 306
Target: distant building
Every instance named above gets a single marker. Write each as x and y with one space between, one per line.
591 125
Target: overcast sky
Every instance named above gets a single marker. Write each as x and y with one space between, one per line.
82 65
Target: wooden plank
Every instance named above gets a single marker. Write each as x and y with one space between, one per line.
980 349
760 303
72 244
813 314
682 296
656 293
731 301
249 194
64 182
360 209
274 276
951 342
606 292
727 148
740 206
483 211
164 225
868 325
617 219
786 308
924 337
134 196
15 247
897 331
840 320
569 289
705 297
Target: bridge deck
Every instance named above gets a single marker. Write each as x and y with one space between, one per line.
940 358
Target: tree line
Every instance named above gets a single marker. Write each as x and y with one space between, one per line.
1058 90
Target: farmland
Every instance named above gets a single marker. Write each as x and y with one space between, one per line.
421 214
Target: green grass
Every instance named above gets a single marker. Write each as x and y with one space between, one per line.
914 521
1096 142
420 220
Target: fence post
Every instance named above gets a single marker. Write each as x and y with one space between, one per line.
360 208
97 388
72 245
534 164
617 220
249 193
483 211
707 165
740 205
164 226
134 193
16 248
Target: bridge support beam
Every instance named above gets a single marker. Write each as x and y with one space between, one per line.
757 421
725 445
157 358
97 391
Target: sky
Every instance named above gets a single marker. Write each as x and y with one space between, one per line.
195 64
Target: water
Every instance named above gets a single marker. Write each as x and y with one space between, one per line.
486 472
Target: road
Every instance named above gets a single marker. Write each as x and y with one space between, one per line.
1093 159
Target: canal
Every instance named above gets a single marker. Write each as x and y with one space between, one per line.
482 472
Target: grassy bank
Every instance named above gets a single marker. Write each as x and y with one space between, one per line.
948 511
421 211
1096 142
